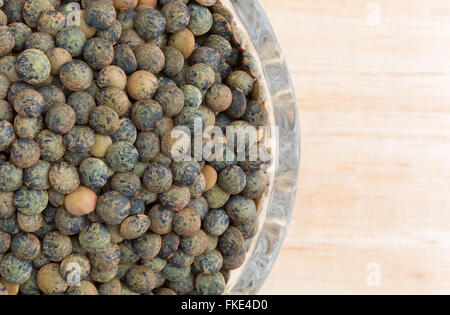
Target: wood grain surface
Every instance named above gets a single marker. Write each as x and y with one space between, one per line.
373 208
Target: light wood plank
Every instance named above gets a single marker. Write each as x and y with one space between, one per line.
374 103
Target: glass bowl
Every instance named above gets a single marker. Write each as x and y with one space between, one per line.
283 137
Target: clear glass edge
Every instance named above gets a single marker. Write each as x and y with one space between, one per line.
264 251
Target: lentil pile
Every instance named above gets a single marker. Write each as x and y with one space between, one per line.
92 201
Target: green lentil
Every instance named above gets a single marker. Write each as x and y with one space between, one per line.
174 61
8 68
238 105
94 173
7 135
10 224
137 206
112 33
208 56
30 286
161 219
201 19
125 58
209 263
51 145
25 246
249 228
231 242
212 284
7 37
56 246
146 115
104 120
21 33
256 114
30 202
150 57
76 75
6 205
113 207
51 22
233 262
194 245
148 245
127 183
241 209
147 146
33 66
64 178
112 287
157 178
186 222
114 98
169 245
177 16
103 276
100 14
134 226
192 96
173 273
98 53
57 57
142 85
10 177
95 237
212 241
112 76
6 110
198 187
52 95
232 180
36 177
241 80
141 279
127 254
106 259
176 198
156 264
80 139
122 156
216 197
216 222
14 270
184 286
30 223
201 76
149 23
171 100
181 260
29 103
60 118
69 224
85 288
127 131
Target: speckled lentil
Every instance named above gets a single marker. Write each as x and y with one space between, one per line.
95 105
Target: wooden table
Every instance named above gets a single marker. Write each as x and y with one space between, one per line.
373 91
